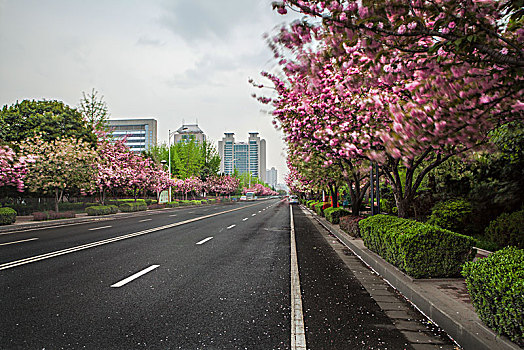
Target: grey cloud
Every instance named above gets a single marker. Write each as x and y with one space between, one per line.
204 19
142 41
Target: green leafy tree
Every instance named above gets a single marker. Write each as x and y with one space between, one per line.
188 159
94 110
51 119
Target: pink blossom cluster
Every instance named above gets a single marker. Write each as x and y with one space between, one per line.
260 190
12 168
222 185
398 83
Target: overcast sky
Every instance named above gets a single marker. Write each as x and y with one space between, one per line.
172 60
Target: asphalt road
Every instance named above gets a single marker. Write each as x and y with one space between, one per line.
208 277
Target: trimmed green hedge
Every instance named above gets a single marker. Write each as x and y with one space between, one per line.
320 207
507 229
420 250
451 215
184 202
333 215
310 203
132 206
7 216
496 287
101 210
65 206
172 204
213 200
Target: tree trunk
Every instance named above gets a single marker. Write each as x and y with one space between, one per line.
56 199
333 190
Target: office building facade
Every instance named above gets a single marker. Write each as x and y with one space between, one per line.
189 132
245 157
271 177
140 134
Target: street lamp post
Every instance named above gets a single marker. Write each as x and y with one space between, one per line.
170 134
169 159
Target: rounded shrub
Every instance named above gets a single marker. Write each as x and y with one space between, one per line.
507 230
451 215
333 215
496 287
7 216
100 210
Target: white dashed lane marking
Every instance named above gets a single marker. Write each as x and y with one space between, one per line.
204 240
134 277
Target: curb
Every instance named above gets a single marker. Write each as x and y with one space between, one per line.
461 323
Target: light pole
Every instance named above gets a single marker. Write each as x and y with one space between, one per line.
169 155
169 158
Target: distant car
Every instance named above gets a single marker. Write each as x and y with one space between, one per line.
243 198
293 200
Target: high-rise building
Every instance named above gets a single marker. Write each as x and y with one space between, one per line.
188 132
140 134
271 177
245 157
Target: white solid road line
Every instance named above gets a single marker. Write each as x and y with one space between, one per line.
145 220
134 277
99 228
231 226
298 332
205 240
23 240
32 259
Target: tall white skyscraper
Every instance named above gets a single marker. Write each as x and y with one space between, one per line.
271 177
246 157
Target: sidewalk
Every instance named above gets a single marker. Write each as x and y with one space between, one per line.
445 301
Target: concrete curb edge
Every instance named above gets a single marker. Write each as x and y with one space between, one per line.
474 335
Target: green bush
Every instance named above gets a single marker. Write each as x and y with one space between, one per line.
319 207
172 204
78 206
196 202
421 250
310 203
507 230
349 224
213 200
496 287
101 210
451 215
128 207
184 202
7 216
91 205
333 215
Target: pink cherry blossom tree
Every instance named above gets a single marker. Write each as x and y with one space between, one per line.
60 166
12 168
355 90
